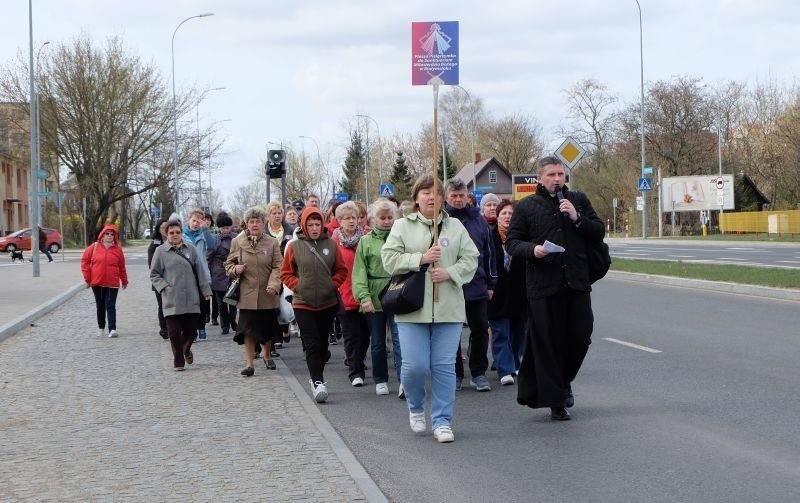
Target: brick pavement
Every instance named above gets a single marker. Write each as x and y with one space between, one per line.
96 419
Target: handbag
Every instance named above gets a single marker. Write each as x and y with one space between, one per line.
232 294
598 258
340 302
404 293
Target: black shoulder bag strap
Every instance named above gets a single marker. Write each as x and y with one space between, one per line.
196 279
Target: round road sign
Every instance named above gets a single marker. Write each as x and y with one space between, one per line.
720 182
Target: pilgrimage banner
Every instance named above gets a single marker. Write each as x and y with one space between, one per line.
434 53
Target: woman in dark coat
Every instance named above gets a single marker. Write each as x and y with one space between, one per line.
159 238
219 277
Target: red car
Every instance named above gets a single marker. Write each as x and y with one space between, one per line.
21 240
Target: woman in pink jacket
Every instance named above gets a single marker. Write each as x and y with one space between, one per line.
103 267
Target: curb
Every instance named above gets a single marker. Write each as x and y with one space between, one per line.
354 468
17 324
714 286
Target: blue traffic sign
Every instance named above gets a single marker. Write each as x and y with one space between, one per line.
645 184
341 196
156 211
478 196
387 190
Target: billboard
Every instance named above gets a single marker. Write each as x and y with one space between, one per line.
523 186
434 53
695 193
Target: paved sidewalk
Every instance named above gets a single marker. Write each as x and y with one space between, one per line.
92 418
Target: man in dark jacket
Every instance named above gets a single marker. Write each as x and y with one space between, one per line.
559 302
478 291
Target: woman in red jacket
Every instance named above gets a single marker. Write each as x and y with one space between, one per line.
103 267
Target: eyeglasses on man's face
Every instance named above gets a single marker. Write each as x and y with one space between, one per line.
174 233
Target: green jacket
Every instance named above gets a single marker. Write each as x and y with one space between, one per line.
369 276
409 238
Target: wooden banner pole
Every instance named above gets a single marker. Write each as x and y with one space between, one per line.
436 187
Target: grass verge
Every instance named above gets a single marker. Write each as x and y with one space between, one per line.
764 276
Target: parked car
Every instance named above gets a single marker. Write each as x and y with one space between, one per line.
21 240
147 233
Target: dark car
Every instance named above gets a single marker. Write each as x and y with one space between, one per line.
21 240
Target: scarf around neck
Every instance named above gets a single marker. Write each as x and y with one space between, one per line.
348 242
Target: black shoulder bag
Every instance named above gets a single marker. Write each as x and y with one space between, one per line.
232 294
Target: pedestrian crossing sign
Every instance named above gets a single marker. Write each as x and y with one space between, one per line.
387 190
645 184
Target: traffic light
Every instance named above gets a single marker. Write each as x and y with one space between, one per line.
276 163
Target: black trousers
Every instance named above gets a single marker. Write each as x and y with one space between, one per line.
355 333
162 322
559 334
314 326
227 312
182 329
478 322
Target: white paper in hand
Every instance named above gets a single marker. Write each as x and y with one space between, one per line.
552 247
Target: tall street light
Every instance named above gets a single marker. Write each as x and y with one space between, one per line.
380 171
472 140
38 138
33 194
641 110
175 107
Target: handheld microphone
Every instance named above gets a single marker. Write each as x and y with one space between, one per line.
560 196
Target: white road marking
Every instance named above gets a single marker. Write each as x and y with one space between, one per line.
632 345
681 256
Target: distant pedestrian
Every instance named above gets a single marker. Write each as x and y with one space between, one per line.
159 238
219 277
103 268
176 274
198 234
43 244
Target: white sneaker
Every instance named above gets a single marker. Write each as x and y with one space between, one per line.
417 422
507 380
444 434
320 391
113 334
381 388
101 332
401 393
357 382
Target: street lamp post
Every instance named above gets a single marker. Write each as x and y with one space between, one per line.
33 194
380 171
175 108
641 111
472 140
38 138
199 157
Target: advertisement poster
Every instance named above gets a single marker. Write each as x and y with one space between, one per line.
695 193
434 53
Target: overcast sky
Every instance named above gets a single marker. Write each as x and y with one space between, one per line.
293 68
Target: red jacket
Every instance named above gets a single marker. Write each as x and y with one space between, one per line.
346 289
103 266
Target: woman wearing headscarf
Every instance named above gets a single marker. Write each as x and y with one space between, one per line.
313 269
429 337
176 273
103 268
255 258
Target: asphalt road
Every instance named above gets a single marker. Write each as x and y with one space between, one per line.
712 417
762 254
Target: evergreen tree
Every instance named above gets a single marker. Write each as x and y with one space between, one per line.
451 166
353 170
401 178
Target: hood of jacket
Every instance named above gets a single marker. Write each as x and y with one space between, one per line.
109 227
311 210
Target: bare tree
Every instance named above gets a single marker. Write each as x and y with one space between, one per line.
108 117
515 140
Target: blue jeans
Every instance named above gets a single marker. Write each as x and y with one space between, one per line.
105 299
377 332
430 348
508 344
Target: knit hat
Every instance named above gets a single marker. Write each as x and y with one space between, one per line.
223 220
487 198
